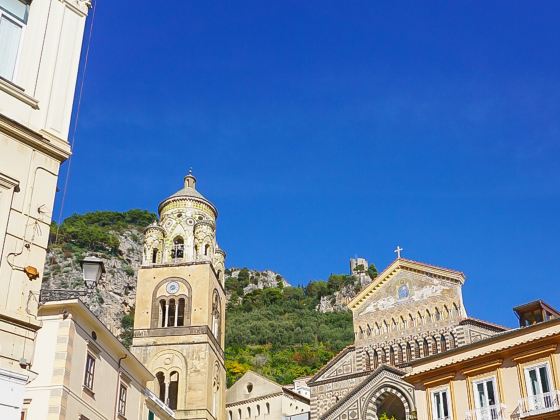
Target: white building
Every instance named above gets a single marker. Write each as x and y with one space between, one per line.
84 372
40 45
254 396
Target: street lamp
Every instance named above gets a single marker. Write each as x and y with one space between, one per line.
92 270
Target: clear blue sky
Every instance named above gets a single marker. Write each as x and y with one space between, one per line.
323 130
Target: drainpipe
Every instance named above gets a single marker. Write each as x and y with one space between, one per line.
118 383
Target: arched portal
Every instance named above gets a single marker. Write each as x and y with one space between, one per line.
388 400
392 406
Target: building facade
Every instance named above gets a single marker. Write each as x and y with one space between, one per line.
180 304
513 375
410 311
255 397
84 372
40 45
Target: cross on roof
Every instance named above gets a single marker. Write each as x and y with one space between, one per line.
398 251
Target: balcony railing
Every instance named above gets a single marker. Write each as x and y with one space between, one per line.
492 412
539 404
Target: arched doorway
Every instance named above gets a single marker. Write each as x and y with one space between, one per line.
390 405
388 400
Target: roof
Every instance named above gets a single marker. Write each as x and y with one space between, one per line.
453 356
188 191
331 363
81 314
485 324
536 304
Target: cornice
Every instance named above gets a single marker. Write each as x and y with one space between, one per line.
45 142
18 93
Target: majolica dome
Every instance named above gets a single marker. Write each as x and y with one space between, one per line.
188 192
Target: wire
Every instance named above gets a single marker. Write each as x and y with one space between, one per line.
75 128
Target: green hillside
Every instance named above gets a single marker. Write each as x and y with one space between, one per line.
278 333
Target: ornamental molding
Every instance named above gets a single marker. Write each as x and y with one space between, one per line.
42 141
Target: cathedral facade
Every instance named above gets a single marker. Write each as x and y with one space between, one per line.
180 306
409 312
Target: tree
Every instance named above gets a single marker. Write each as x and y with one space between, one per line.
372 271
385 416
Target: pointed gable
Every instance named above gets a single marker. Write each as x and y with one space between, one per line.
398 268
250 386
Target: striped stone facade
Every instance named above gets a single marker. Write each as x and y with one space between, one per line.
410 311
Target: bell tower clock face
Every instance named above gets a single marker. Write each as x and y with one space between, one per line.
172 287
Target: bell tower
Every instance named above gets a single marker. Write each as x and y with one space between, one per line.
180 306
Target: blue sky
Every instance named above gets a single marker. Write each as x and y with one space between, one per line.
323 130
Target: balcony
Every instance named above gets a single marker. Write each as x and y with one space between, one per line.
539 404
492 412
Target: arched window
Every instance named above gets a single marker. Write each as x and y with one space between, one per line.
426 348
239 413
249 412
368 330
383 356
161 385
258 410
154 255
452 341
408 352
393 324
416 349
403 323
216 317
230 415
455 310
375 359
267 408
445 312
400 354
437 315
162 312
443 343
428 316
206 249
178 249
171 312
391 356
434 346
181 313
367 360
173 390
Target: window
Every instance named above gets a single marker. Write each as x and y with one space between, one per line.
161 382
434 346
151 415
440 405
426 349
178 247
485 399
154 255
375 359
267 408
122 400
443 343
230 415
408 352
537 381
13 18
90 371
181 313
173 390
391 356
